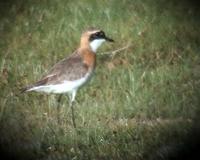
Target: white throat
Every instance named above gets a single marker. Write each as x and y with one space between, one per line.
95 44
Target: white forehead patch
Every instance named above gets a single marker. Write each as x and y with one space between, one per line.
93 31
95 44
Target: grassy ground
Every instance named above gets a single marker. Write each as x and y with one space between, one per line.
143 103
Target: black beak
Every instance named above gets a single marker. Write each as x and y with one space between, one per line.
109 39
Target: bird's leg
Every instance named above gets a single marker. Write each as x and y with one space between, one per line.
58 107
73 95
73 118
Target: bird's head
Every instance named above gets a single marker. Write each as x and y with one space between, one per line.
94 38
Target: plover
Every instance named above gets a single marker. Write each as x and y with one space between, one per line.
69 74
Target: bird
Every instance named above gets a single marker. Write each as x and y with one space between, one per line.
74 71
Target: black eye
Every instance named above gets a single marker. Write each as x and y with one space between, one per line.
100 34
97 35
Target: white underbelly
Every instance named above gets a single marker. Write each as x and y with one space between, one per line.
66 86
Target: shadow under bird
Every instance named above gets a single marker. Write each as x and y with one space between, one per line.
69 74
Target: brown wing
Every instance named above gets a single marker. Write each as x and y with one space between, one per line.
68 69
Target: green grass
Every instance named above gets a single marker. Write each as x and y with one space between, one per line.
142 103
